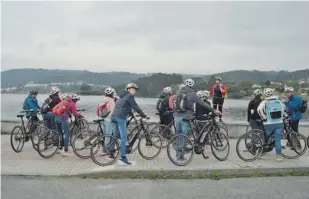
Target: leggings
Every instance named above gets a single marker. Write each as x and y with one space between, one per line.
218 104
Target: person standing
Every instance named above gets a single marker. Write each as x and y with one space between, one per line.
219 92
163 106
253 117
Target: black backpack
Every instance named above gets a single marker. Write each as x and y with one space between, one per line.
162 104
181 104
303 106
46 106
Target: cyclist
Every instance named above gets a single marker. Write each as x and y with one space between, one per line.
253 116
31 103
219 92
62 111
184 110
200 110
293 104
105 110
48 106
124 105
63 96
163 106
271 110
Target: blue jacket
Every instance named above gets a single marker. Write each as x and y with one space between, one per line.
31 103
124 105
292 106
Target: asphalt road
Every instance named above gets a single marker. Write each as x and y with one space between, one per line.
66 188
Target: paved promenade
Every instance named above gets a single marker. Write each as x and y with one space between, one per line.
28 162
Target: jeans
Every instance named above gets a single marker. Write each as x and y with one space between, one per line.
49 120
119 128
64 130
277 130
182 127
108 130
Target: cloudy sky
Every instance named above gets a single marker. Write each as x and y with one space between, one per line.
182 37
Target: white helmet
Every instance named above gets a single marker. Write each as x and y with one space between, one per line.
218 79
181 86
63 96
257 92
74 96
206 93
268 92
289 89
54 90
199 93
109 91
189 82
131 85
167 90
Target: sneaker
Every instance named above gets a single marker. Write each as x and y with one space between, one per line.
125 161
111 156
278 159
66 153
27 138
220 120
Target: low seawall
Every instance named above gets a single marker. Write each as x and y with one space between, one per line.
236 129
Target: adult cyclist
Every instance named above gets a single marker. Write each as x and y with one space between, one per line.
219 91
163 106
124 105
31 104
271 110
48 106
253 116
184 110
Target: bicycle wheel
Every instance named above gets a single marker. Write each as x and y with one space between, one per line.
150 142
223 129
84 124
181 147
220 143
253 145
81 146
17 138
105 150
295 145
40 130
308 142
165 133
48 144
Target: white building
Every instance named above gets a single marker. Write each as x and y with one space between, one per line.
256 86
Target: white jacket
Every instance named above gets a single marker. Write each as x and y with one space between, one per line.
262 110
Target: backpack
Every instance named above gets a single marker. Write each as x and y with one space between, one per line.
60 108
171 102
45 106
303 106
181 103
102 110
274 111
162 104
25 106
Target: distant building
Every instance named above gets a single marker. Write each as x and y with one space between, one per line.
256 86
276 83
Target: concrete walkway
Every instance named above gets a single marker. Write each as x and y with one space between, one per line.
28 162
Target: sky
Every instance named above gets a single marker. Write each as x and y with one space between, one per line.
146 37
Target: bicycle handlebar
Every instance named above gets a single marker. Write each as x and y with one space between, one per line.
81 110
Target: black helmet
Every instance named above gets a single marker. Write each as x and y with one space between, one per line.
33 92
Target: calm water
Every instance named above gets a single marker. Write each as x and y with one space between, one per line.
11 104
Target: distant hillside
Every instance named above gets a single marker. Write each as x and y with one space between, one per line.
20 77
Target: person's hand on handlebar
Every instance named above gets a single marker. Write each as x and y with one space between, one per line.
216 112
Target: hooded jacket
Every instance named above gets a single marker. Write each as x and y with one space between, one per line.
292 105
110 105
124 105
252 109
262 110
191 99
70 108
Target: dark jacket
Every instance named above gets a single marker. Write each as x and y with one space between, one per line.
253 105
200 110
191 99
124 105
55 100
166 98
292 106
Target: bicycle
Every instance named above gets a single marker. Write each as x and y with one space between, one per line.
82 147
77 125
49 139
20 133
196 140
258 146
140 133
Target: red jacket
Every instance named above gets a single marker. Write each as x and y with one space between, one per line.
70 108
222 88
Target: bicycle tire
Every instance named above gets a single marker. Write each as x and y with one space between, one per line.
308 142
21 139
95 148
34 136
171 142
292 135
90 137
213 147
159 147
244 136
165 133
223 128
50 138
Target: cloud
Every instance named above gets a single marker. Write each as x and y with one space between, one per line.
183 37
